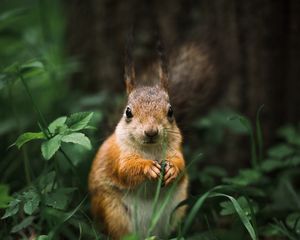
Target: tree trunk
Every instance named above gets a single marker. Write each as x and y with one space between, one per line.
257 44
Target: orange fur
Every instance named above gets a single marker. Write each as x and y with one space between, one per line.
112 173
126 161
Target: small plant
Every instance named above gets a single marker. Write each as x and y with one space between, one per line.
46 195
61 130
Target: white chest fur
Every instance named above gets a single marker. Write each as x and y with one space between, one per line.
143 214
140 201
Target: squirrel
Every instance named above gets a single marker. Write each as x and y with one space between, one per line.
129 164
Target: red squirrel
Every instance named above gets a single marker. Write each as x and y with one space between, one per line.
128 165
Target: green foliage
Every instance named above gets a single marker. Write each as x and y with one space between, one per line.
26 137
12 209
33 82
266 193
59 198
49 198
61 130
4 196
31 201
51 146
245 177
228 207
24 224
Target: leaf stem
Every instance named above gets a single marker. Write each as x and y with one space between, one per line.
73 168
159 185
24 150
37 110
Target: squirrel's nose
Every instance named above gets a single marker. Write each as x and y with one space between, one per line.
151 133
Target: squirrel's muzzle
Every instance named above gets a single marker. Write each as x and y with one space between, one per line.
151 134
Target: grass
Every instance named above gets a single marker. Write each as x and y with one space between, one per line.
43 186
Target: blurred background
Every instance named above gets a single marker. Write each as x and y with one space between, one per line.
63 57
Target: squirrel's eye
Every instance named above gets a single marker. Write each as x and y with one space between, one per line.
128 112
170 113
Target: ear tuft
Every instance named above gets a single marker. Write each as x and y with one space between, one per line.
163 65
129 78
129 71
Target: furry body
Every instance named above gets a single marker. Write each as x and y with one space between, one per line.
126 169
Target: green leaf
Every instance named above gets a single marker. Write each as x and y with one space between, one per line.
31 202
24 224
8 17
78 138
50 147
132 237
269 231
280 151
244 216
149 238
26 137
43 237
294 161
31 69
57 123
293 221
290 134
245 177
228 207
59 198
271 165
4 196
221 119
32 64
46 182
90 128
194 210
12 209
211 194
79 121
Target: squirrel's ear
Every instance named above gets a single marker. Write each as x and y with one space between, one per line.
163 66
129 76
129 71
163 77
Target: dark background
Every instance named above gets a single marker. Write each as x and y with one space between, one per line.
255 44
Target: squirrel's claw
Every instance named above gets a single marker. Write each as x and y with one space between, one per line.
157 165
152 171
171 172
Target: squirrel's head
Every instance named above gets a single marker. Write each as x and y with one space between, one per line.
148 118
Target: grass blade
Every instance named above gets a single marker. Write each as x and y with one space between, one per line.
241 213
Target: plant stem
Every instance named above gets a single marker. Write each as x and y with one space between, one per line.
37 110
159 184
44 126
73 168
26 166
24 150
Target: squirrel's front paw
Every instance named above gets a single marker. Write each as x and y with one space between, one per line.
171 173
152 170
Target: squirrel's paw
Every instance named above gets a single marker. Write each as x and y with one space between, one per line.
171 173
152 170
